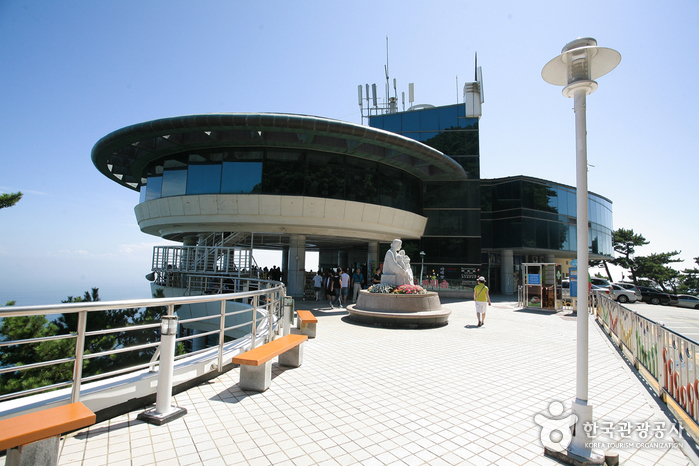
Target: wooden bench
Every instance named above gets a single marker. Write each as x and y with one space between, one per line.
306 321
34 438
256 364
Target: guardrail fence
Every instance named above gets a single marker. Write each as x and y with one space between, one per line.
664 358
264 300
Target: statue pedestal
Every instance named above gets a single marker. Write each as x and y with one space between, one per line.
399 310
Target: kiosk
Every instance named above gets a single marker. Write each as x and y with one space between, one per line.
542 286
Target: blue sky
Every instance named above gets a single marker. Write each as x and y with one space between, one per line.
72 72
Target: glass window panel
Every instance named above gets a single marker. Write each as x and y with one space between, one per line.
204 179
392 123
283 176
429 120
426 136
563 202
241 177
448 117
528 233
542 240
572 206
573 235
325 176
411 123
142 194
154 188
174 183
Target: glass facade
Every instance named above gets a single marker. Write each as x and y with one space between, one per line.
521 213
301 173
452 238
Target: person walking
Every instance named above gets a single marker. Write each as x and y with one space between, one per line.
317 284
336 287
481 296
357 280
344 279
328 284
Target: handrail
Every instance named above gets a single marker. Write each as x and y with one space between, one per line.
667 360
271 292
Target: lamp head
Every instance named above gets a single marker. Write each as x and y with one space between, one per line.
579 64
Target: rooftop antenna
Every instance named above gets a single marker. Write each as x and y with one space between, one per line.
388 91
475 77
457 88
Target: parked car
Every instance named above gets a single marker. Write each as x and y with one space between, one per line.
685 300
599 281
599 290
623 295
629 286
653 296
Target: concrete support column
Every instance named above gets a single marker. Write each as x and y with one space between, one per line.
342 258
285 265
372 260
297 265
550 259
507 272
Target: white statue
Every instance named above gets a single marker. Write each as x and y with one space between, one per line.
396 266
404 261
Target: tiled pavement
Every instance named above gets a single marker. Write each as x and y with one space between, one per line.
372 396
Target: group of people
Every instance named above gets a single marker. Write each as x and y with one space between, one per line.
275 274
335 286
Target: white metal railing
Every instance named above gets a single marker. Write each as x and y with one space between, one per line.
201 259
665 359
263 297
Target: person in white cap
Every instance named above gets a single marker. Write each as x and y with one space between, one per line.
481 296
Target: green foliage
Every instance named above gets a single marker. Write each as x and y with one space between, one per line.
624 243
690 280
655 268
8 200
25 327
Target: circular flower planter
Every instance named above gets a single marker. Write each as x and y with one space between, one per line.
399 310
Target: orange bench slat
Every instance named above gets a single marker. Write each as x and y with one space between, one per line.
307 316
262 354
47 423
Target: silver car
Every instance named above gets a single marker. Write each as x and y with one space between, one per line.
685 300
623 295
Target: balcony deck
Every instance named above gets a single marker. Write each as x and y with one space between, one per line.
364 395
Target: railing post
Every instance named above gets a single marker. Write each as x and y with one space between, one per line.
254 321
164 411
221 335
288 314
660 362
79 351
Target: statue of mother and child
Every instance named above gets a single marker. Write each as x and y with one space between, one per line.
396 266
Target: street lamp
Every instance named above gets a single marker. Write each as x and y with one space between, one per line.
576 68
422 269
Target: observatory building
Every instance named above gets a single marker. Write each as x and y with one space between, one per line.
220 185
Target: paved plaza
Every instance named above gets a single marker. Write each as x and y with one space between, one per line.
458 394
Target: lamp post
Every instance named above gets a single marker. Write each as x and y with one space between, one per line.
576 68
164 412
422 268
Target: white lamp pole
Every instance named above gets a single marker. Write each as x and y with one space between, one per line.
576 68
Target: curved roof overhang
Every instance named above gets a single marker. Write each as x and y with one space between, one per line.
124 155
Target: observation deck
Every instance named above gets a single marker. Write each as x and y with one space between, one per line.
458 394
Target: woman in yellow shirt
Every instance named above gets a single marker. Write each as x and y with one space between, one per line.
481 296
